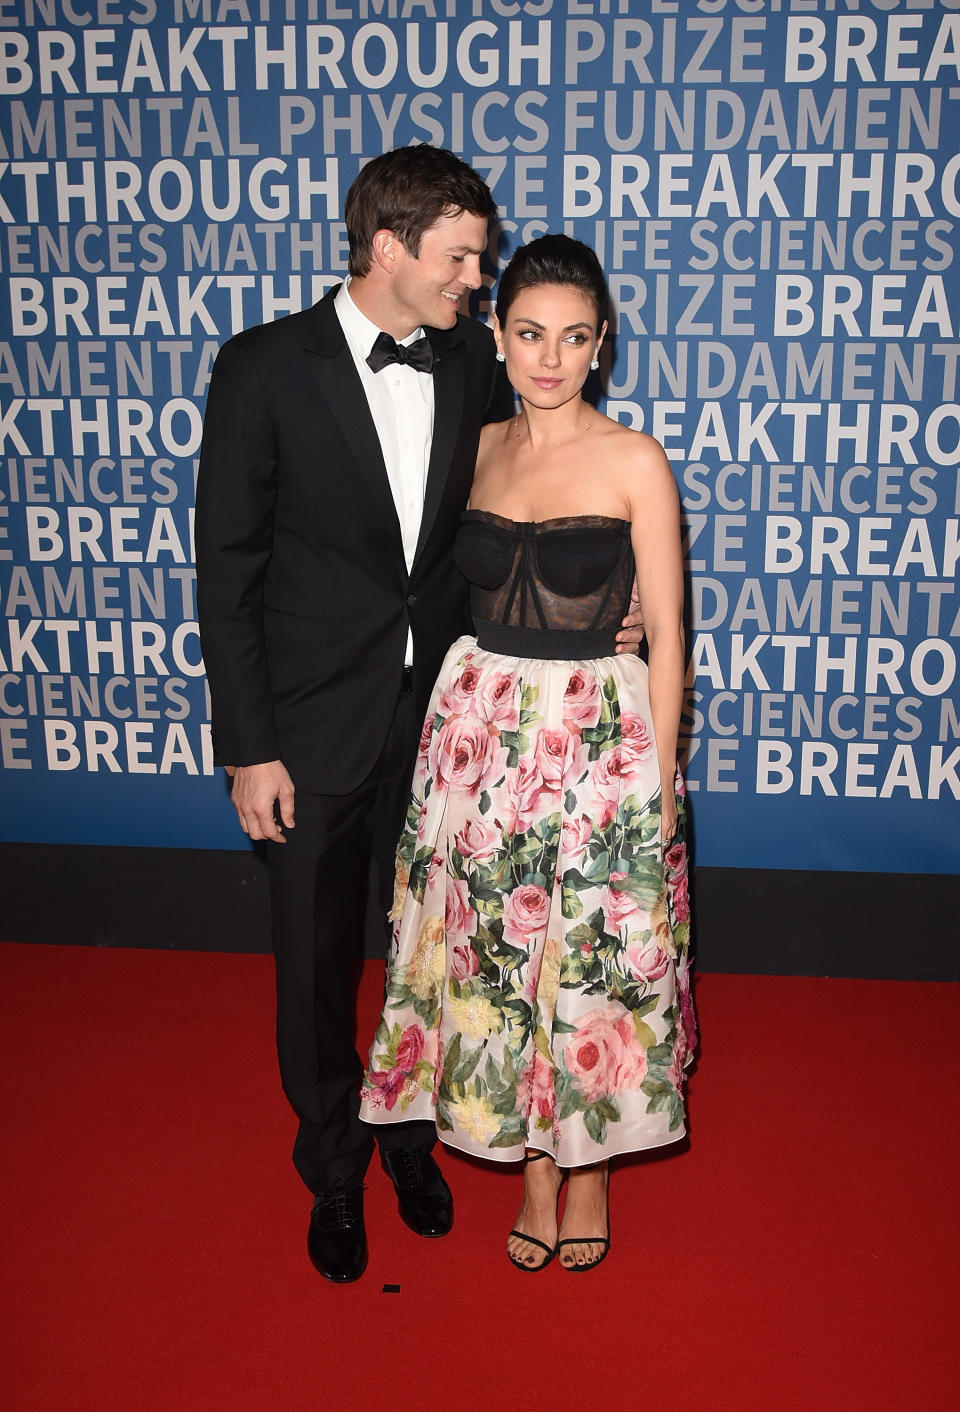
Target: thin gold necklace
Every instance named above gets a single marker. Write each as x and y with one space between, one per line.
516 425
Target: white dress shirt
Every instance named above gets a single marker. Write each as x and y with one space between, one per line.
401 403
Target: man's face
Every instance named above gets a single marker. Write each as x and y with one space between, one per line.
428 288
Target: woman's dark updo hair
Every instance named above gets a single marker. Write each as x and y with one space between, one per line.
553 259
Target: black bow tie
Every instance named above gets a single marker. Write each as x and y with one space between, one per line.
386 350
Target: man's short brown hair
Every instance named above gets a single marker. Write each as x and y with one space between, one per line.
407 191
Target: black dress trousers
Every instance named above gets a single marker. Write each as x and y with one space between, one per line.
319 882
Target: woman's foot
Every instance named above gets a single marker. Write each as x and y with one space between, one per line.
533 1243
585 1233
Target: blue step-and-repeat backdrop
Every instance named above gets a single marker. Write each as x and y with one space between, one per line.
773 187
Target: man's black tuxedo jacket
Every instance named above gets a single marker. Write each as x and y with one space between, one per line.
304 597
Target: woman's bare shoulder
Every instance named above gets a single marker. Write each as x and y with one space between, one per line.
494 432
634 456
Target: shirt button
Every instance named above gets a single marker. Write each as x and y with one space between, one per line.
411 599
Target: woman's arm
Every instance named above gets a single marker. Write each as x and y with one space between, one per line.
655 520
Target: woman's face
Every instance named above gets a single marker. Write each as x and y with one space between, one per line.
548 341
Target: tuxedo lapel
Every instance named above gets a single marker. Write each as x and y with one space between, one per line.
449 378
339 382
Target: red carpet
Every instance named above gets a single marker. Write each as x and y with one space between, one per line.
800 1254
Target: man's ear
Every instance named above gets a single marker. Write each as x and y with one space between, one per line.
384 249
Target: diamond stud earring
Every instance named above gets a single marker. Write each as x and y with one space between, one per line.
502 359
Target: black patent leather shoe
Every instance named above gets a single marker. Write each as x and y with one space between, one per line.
423 1197
337 1238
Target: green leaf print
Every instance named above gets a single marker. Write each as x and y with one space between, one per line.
595 1124
570 904
659 1104
528 696
655 1088
569 1103
483 803
466 1068
530 848
581 935
510 1135
661 1054
573 968
644 1034
486 899
574 878
644 882
599 868
570 802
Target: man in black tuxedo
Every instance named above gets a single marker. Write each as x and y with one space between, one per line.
334 467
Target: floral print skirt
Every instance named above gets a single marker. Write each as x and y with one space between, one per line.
537 992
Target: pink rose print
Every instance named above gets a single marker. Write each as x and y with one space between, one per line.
478 840
496 701
604 1055
606 778
675 857
532 978
675 865
410 1048
425 734
647 961
457 698
460 753
618 907
464 962
526 806
576 835
535 1092
686 1009
459 913
636 743
525 913
556 755
681 899
386 1088
581 701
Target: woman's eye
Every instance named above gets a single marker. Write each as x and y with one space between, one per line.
577 339
529 334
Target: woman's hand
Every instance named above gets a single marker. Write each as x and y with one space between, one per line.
668 817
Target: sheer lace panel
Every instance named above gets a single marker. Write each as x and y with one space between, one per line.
574 573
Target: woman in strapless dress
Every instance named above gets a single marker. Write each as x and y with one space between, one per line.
538 998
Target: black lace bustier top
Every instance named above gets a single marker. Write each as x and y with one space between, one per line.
547 588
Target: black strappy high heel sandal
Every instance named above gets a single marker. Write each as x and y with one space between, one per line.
550 1250
589 1240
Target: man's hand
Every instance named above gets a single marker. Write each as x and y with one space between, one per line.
256 788
631 633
